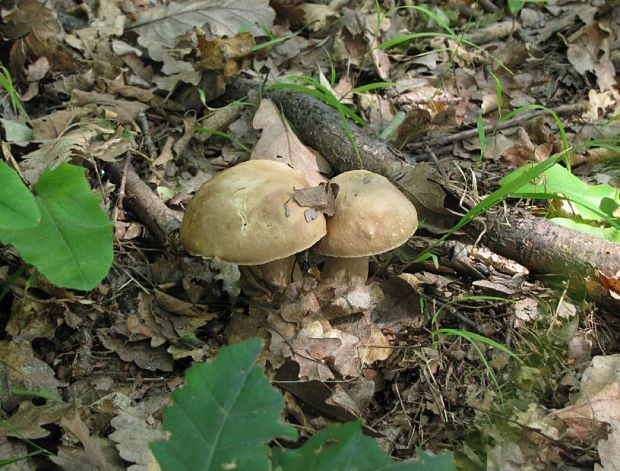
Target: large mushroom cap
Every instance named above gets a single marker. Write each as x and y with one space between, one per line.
246 215
372 216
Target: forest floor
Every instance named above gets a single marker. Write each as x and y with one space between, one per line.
449 346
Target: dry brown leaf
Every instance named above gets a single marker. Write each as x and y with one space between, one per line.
380 110
31 319
9 450
124 111
55 152
609 450
111 149
96 453
589 51
164 25
400 307
599 103
321 198
135 428
345 359
35 31
227 56
418 185
141 353
317 16
22 370
29 419
599 398
279 142
182 308
374 345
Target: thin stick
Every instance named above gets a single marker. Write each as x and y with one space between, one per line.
469 133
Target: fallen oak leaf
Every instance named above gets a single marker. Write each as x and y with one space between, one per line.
97 453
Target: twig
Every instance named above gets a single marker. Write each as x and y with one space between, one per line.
469 133
121 191
146 132
152 211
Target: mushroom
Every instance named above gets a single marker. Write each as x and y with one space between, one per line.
371 217
246 215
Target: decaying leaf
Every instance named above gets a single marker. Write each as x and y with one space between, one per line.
35 31
609 450
20 369
141 353
55 152
279 142
599 398
418 185
165 24
29 419
589 51
226 56
321 198
95 453
135 427
317 16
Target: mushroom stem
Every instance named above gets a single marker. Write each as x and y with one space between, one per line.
345 270
279 273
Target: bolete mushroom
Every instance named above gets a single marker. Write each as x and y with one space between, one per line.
371 217
246 215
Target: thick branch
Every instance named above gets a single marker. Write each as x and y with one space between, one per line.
320 126
547 248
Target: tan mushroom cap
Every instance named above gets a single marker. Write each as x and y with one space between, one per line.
246 215
372 216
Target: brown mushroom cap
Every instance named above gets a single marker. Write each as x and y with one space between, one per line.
372 216
246 215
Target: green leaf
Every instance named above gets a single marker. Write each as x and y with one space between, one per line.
592 202
514 6
608 233
344 446
72 245
224 416
18 209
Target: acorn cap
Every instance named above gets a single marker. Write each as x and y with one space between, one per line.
372 216
247 215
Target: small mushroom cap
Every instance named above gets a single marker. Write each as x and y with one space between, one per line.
372 216
246 215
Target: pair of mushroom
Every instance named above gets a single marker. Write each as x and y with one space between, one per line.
247 215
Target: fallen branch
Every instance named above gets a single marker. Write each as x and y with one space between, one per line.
543 247
141 200
489 128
